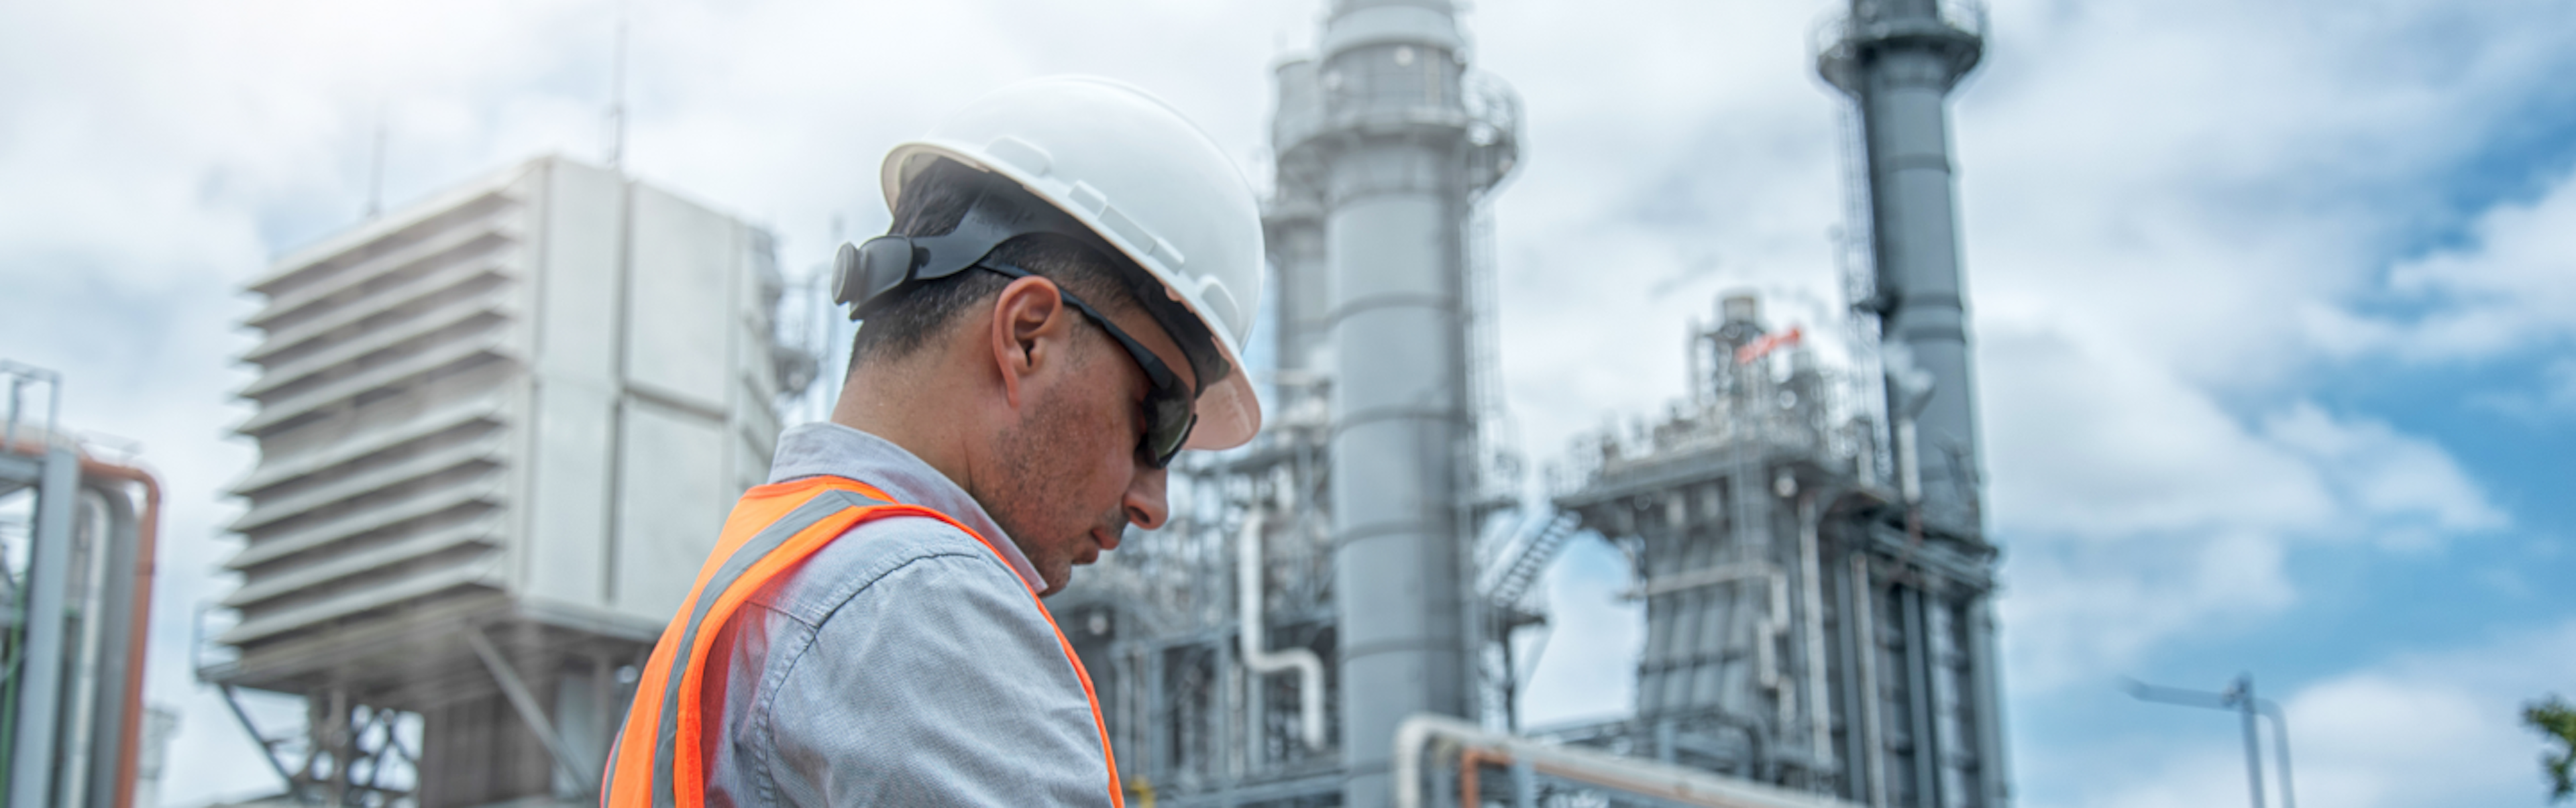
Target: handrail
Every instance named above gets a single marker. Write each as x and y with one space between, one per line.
1627 774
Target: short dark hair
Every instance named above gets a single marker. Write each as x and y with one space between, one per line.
932 204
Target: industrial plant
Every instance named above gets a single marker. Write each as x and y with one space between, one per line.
1807 544
499 429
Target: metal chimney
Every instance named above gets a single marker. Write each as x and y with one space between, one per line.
1392 141
1898 59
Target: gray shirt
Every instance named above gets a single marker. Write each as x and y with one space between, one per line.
903 664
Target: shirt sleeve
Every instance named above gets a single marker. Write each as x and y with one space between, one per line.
939 683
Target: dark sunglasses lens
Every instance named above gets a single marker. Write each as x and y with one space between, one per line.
1171 428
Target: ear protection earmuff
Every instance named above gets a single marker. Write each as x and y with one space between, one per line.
869 272
864 272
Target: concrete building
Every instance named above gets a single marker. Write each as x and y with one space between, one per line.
498 432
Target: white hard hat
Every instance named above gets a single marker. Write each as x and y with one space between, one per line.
1145 179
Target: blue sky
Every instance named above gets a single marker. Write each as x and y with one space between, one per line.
2275 303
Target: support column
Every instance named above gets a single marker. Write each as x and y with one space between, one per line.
1400 407
41 666
1381 133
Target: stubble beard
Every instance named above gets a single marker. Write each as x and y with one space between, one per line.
1034 457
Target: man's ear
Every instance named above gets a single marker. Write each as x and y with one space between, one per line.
1032 331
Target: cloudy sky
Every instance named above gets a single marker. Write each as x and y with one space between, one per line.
2275 303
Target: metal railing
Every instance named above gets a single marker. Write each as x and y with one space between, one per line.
20 377
1835 31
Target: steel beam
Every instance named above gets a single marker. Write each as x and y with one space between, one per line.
529 709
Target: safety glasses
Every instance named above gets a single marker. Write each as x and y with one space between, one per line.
868 274
1169 414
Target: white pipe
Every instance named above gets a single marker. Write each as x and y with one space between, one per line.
1865 461
1256 656
1865 613
1774 628
1665 781
1909 469
1819 725
1705 576
84 698
1698 378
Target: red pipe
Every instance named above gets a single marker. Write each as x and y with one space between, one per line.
146 539
146 558
1471 774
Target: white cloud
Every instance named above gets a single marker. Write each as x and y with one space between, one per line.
1587 669
2512 286
2551 395
2075 613
2135 508
2178 219
2383 474
2193 178
2424 730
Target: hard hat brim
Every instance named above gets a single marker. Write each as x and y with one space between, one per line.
1229 412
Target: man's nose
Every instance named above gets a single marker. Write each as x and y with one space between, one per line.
1144 499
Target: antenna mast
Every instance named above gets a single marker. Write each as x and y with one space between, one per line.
617 95
376 169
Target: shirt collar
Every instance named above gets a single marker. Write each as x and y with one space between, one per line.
829 449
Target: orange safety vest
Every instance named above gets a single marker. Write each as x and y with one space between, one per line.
657 761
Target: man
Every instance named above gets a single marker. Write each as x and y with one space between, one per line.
1055 313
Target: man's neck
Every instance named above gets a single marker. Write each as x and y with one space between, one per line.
898 404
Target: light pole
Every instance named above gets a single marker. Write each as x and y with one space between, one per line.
2238 697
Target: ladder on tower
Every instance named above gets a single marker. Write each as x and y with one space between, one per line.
1521 573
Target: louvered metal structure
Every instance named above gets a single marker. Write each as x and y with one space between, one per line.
498 431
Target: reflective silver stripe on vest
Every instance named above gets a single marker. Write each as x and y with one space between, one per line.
667 736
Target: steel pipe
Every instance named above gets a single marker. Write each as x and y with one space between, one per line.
1660 781
1256 655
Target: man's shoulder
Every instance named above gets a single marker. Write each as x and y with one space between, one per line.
865 555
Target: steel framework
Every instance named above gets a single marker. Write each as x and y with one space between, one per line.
78 532
1797 632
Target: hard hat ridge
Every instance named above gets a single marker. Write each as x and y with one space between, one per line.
1150 185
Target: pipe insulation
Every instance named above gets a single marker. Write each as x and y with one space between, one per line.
1256 656
1664 782
1811 588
